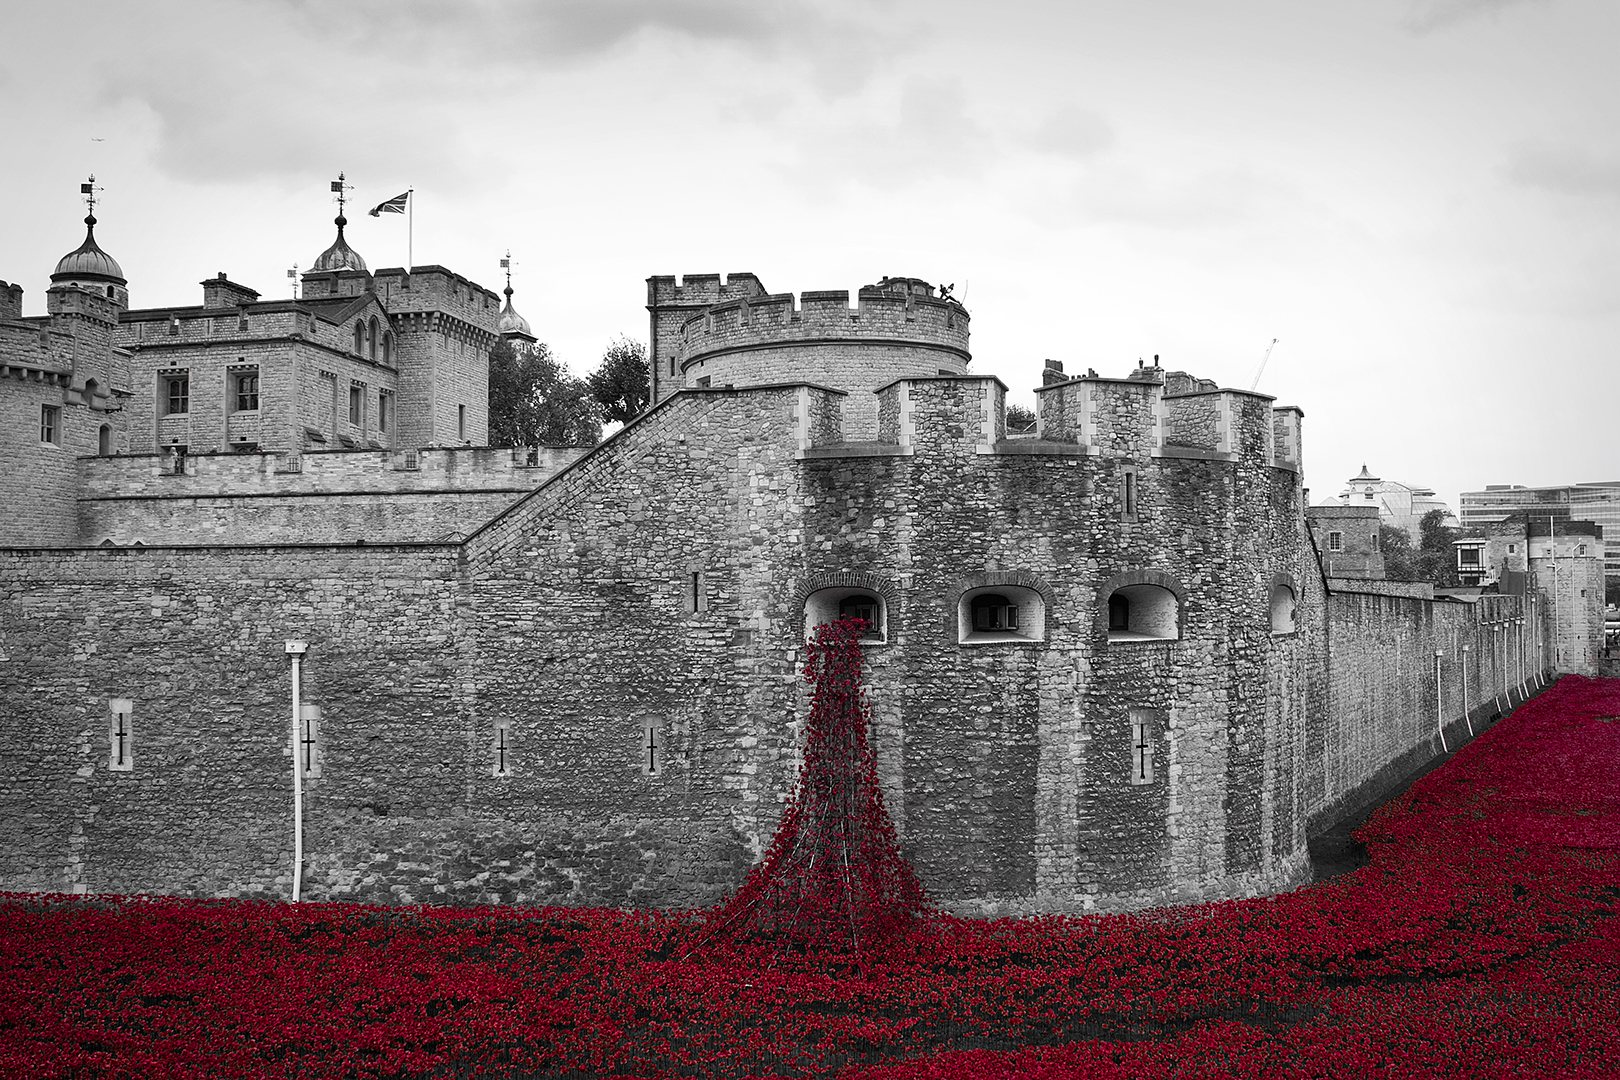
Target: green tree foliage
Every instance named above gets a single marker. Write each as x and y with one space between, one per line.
1020 419
1434 559
619 386
534 401
1400 560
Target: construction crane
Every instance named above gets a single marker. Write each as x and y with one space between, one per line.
1262 370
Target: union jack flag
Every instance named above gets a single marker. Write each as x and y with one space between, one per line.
396 205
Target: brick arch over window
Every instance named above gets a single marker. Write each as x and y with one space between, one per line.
1156 578
881 587
1017 585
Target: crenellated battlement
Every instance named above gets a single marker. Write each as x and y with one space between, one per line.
701 289
816 316
1137 416
10 300
434 288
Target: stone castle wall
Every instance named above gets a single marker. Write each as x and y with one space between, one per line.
340 496
1384 705
195 640
593 696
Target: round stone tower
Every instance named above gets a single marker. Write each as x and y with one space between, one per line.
898 328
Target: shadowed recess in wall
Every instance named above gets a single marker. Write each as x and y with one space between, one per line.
833 875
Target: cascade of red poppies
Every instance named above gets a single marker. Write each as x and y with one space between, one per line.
833 874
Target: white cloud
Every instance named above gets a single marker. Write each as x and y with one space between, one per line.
1426 16
1567 170
1071 131
921 130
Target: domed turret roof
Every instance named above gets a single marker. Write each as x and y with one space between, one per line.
340 256
88 260
511 324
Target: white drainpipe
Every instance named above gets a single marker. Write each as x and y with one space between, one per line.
1439 705
296 650
1466 718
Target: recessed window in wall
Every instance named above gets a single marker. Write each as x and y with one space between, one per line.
121 735
371 338
502 750
176 393
651 748
383 410
245 390
461 422
357 405
388 347
50 424
1144 740
1000 613
1372 538
1128 492
1283 604
359 338
829 605
1581 551
1143 613
104 441
1335 541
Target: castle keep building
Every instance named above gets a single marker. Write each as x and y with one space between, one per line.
1105 669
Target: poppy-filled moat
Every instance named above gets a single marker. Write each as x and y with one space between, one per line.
1480 941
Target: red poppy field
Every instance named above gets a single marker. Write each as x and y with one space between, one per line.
1479 942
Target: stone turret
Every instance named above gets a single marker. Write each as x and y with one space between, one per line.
898 328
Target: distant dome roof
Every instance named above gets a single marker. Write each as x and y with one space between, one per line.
340 256
88 260
511 323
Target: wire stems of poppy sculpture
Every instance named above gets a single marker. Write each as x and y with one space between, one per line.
833 875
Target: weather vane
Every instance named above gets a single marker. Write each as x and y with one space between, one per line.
292 276
88 190
341 189
506 264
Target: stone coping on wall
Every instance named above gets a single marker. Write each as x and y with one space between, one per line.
854 450
1195 452
285 545
230 496
1411 590
1037 447
1218 391
941 378
658 408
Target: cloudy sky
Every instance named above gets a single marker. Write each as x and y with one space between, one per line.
1420 199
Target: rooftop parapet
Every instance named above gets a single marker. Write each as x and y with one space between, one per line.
879 317
701 289
10 300
434 288
1135 417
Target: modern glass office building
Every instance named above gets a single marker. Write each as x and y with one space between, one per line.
1596 502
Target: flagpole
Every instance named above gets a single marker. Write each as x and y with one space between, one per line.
410 230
